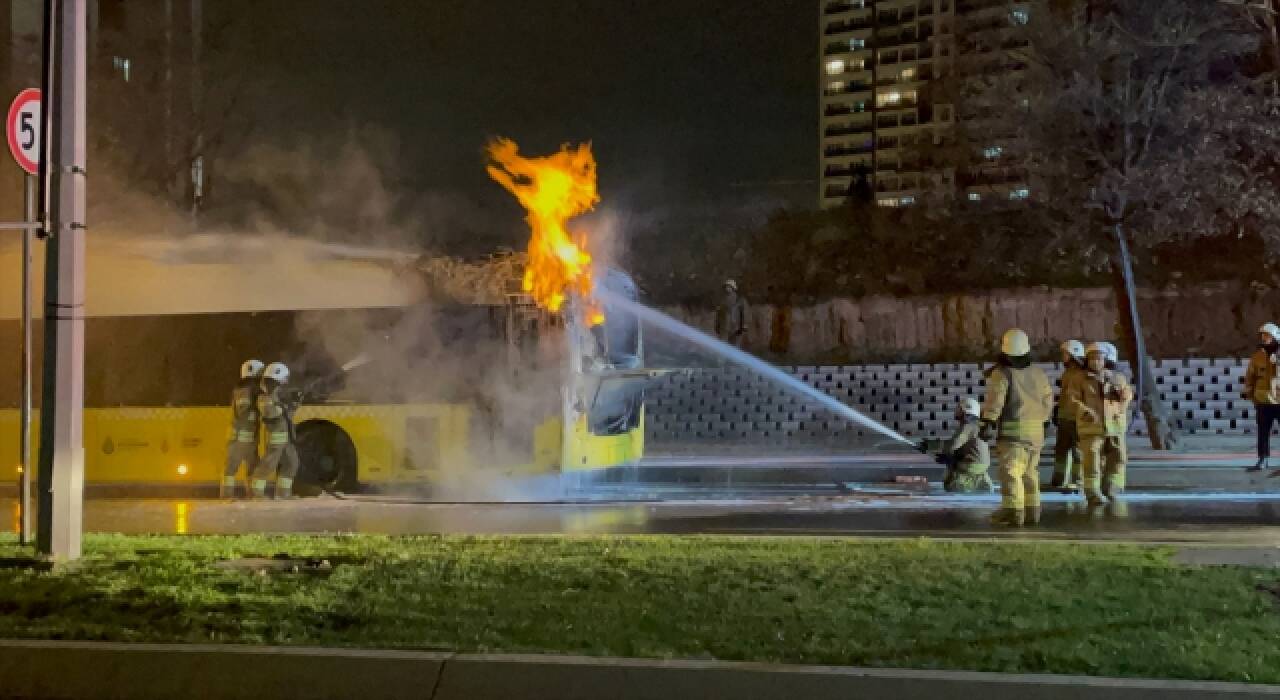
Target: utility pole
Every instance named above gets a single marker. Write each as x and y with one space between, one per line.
61 474
196 32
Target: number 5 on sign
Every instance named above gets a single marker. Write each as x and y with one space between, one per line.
23 130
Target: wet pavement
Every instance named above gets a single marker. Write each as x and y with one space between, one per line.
1210 518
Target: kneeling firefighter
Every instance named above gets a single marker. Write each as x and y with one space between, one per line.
242 447
1102 418
1018 403
277 411
965 455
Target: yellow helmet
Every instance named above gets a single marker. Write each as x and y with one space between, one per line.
1015 343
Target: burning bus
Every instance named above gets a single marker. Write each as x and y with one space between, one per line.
515 370
442 394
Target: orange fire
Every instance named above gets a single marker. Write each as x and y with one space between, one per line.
553 189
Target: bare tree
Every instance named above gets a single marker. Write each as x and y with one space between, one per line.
1263 14
1134 127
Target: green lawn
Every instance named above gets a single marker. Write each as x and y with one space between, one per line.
1062 608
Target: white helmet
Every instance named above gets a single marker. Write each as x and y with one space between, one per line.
1270 329
968 407
1073 349
1015 343
278 372
1107 350
730 284
251 369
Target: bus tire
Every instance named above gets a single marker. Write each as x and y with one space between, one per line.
328 459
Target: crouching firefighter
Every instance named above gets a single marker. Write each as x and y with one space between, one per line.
1018 403
242 446
965 455
1102 418
281 454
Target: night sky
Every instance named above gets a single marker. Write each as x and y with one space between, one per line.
684 100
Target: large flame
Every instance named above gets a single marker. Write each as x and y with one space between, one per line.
553 189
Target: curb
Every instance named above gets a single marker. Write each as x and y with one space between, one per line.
48 670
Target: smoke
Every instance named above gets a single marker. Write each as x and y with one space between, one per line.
335 226
145 255
453 366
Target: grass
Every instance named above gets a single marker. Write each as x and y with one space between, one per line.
1062 608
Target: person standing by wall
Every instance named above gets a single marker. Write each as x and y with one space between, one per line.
1262 387
731 316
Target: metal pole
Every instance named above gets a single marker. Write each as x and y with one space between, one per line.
24 421
62 400
48 79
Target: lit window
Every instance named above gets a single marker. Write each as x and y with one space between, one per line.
887 201
975 197
835 86
835 67
1020 193
992 152
1020 15
122 65
856 44
908 200
908 73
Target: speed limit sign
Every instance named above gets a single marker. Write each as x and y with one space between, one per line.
23 129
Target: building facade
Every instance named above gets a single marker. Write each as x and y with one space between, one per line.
892 78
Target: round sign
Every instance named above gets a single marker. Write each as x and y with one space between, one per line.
23 129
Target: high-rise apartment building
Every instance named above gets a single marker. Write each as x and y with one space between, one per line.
884 70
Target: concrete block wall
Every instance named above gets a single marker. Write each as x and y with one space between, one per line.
738 406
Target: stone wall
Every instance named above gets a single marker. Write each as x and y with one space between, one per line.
1211 320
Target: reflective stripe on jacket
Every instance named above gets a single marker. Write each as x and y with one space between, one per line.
1072 376
244 413
1019 401
1102 404
967 449
275 417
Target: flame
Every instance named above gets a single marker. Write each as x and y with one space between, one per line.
553 189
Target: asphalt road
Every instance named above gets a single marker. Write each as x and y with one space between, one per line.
1212 518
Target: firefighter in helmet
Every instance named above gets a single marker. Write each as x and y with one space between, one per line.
242 447
965 455
1066 445
1102 417
1017 405
281 454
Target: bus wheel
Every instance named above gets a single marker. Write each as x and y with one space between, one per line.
328 459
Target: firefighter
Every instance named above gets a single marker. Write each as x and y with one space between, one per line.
1262 387
1101 404
1066 445
242 446
1017 405
965 455
276 409
731 316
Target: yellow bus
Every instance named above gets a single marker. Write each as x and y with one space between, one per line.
549 398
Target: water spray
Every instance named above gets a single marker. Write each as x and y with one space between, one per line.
358 361
752 362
